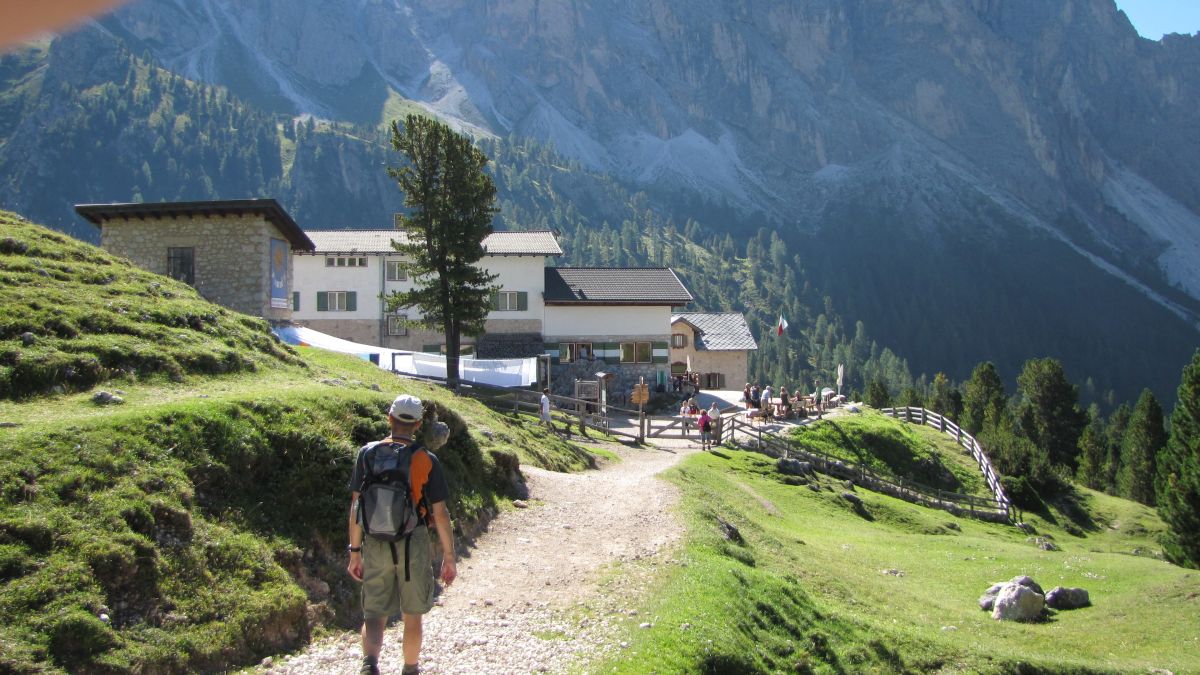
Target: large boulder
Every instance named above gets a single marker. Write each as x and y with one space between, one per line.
793 467
1029 583
1018 603
1060 597
988 599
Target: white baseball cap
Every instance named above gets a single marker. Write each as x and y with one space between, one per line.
407 408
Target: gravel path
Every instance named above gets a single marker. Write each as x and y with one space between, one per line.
529 596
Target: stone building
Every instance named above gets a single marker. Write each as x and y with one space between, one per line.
236 253
716 346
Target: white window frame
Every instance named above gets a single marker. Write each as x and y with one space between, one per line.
397 270
335 301
569 352
396 324
507 301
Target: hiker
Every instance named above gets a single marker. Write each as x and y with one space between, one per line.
397 574
544 407
755 397
746 396
705 423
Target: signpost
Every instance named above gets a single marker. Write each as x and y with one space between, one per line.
641 396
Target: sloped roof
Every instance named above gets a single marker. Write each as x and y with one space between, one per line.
719 332
268 209
615 286
535 242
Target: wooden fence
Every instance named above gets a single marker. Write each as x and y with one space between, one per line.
774 445
639 426
565 409
946 426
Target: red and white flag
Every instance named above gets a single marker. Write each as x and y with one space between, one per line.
781 326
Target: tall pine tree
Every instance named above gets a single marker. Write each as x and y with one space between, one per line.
1178 484
453 201
1144 439
1093 451
984 400
1049 413
1118 422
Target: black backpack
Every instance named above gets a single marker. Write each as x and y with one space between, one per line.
386 510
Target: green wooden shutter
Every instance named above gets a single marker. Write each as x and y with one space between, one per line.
295 301
552 349
612 352
522 301
322 301
495 300
351 301
663 347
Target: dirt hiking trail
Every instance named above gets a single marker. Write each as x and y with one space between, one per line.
531 594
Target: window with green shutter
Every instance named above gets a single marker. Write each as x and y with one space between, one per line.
295 301
660 352
337 301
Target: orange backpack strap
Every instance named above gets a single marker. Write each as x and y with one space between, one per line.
418 477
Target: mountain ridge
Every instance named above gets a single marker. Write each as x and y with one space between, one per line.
876 121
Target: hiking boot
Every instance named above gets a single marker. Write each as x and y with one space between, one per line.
411 670
370 666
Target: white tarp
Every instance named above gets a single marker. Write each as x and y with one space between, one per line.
496 372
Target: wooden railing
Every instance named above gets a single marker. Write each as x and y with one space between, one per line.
774 445
571 411
947 426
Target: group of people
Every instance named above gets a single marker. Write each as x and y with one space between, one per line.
762 402
682 380
705 419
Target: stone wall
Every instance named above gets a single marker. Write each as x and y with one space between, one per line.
734 365
232 256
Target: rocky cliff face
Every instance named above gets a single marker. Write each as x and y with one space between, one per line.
1057 114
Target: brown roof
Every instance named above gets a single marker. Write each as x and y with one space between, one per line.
615 286
268 209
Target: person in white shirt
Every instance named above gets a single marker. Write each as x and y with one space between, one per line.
545 409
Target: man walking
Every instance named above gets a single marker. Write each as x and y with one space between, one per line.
397 576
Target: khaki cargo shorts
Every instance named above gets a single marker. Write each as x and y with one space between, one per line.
385 593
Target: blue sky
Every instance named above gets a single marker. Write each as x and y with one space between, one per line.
1154 18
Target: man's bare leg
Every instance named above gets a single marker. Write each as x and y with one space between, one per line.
412 639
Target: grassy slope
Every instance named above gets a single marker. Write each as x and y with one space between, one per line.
205 515
893 448
808 589
73 316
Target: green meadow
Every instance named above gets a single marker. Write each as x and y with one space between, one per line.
814 586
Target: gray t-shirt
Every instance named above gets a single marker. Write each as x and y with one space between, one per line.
384 457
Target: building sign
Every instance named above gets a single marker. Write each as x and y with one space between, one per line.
279 268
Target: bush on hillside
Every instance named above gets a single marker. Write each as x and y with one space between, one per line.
72 317
201 530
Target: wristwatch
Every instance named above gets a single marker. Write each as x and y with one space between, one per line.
354 549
